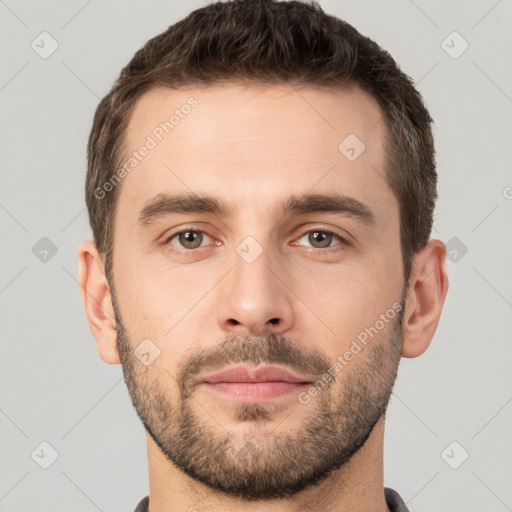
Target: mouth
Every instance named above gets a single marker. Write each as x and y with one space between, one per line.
254 384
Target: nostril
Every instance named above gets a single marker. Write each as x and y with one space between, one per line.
274 320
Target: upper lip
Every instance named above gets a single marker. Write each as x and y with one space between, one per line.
254 374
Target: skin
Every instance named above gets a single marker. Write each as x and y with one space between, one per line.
252 148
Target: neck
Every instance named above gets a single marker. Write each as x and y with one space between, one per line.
355 487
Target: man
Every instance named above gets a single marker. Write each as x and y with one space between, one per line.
261 187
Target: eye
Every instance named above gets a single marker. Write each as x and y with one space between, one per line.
322 239
188 239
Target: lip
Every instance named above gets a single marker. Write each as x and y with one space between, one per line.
254 375
254 385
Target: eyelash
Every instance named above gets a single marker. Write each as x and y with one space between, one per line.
336 248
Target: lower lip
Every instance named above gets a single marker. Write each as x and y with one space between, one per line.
255 391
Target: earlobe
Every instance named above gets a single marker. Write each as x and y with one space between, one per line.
428 287
97 301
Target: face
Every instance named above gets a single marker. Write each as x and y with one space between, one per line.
259 321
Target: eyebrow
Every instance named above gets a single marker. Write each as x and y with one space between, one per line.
167 204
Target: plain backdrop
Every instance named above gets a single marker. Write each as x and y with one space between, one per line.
447 444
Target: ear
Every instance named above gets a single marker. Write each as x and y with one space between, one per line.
428 286
95 292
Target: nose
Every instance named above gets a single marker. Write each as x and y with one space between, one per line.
255 298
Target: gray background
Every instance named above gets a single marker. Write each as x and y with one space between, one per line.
55 388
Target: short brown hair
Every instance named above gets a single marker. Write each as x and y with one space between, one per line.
266 41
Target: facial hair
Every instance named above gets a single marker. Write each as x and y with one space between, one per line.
281 462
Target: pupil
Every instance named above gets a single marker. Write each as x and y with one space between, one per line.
190 238
322 238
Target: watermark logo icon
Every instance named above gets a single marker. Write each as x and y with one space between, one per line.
44 45
44 455
454 455
455 249
454 45
146 352
44 250
249 249
351 147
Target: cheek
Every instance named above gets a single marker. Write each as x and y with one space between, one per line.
156 296
169 312
341 303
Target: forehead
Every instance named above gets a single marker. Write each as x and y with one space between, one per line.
222 113
257 141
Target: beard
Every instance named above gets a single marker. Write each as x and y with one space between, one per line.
257 463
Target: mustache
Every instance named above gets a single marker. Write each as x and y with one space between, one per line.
272 349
